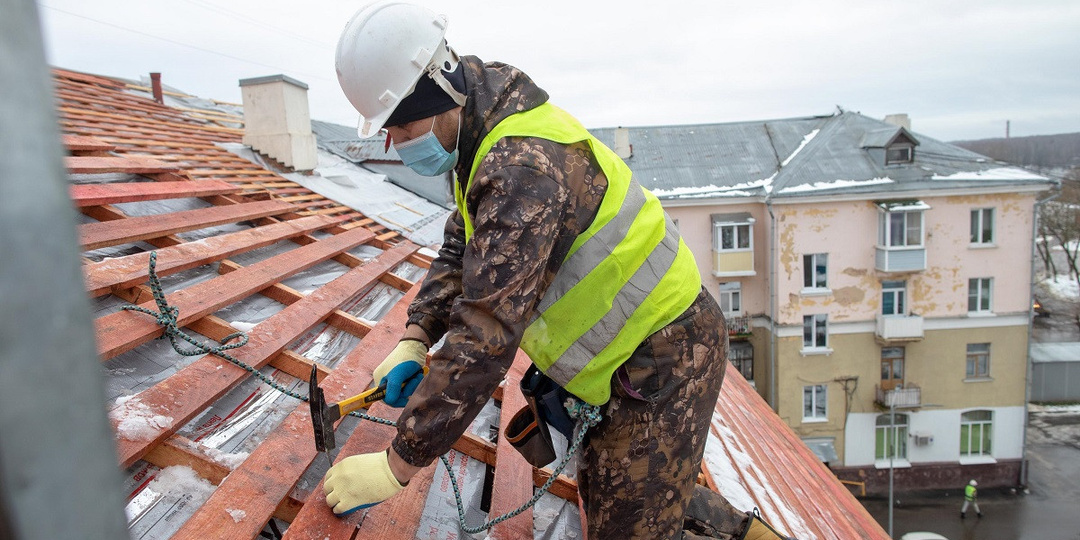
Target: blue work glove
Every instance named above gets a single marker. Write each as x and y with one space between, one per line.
403 369
358 482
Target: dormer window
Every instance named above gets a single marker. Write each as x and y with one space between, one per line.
890 146
899 154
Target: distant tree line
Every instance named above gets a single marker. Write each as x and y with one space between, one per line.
1043 151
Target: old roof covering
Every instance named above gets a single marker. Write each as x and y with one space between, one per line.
798 157
210 451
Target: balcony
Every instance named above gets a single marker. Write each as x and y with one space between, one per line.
905 259
738 327
906 397
730 263
899 327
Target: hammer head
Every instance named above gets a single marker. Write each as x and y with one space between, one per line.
322 419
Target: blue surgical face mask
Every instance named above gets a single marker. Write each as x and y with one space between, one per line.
426 155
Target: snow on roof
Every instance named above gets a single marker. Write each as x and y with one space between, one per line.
806 140
835 184
1000 173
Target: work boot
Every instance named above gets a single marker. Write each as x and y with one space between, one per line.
756 529
962 515
980 514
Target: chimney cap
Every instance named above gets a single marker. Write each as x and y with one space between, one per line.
272 79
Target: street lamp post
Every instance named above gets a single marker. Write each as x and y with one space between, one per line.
892 452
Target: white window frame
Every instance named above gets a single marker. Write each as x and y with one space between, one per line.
730 298
818 404
976 352
973 451
885 228
817 322
897 428
899 294
981 290
979 217
810 261
718 236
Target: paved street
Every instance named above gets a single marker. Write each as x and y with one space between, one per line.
1049 511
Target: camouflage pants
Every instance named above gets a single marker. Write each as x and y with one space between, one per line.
639 465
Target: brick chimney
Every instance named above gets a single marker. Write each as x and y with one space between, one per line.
623 148
277 122
902 120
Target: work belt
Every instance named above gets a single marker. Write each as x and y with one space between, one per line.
528 430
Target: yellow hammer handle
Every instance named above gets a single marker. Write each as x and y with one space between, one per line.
365 399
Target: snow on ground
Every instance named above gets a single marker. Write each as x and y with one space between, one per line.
1062 286
1054 424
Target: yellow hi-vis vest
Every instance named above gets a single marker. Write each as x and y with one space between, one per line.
627 276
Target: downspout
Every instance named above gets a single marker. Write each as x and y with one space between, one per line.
1031 324
772 304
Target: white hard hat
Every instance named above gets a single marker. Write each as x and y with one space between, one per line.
974 483
383 51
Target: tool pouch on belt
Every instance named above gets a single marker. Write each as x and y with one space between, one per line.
528 430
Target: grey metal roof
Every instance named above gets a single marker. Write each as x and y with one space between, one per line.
734 156
344 142
798 157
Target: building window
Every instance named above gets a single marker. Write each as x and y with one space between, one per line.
978 360
815 331
733 236
976 430
731 298
891 436
815 398
892 297
892 367
741 355
899 154
979 295
815 271
982 226
901 229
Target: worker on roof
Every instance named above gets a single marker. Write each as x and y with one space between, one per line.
556 249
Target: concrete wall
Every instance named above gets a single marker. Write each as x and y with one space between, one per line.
944 426
1004 473
695 226
939 291
936 364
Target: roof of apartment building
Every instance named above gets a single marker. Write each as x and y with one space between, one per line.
846 153
242 243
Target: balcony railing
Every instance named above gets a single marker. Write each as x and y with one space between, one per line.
738 326
910 395
900 327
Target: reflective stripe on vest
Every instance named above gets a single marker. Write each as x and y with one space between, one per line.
627 276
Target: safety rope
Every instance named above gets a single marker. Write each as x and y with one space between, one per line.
168 317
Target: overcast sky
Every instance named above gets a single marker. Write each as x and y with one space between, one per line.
959 68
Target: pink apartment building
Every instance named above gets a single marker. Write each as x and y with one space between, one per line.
877 284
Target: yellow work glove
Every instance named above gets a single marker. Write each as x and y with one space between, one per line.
359 481
403 369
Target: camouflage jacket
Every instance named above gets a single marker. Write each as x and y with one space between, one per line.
529 200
